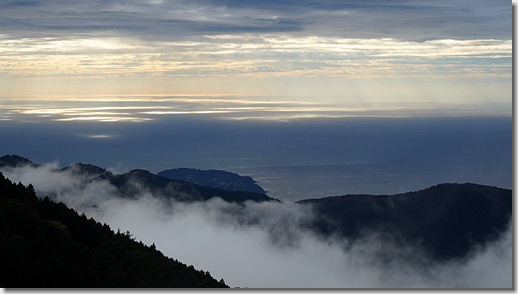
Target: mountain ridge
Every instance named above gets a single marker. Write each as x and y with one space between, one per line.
15 161
158 185
214 178
448 220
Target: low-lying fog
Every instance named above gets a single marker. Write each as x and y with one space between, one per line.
264 245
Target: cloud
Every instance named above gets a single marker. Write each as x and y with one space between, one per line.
74 189
265 245
256 55
409 20
95 40
253 256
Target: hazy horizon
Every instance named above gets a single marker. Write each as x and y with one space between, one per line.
211 83
326 152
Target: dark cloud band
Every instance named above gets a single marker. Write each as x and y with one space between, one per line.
408 20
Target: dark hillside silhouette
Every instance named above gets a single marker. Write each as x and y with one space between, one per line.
15 161
133 183
448 220
44 244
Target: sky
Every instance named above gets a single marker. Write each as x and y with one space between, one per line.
414 51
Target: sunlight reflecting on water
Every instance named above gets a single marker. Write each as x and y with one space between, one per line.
218 107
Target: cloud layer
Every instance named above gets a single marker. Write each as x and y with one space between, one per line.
254 39
265 245
160 19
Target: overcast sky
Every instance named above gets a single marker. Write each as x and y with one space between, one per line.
362 49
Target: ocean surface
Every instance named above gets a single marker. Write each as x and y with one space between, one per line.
293 183
291 151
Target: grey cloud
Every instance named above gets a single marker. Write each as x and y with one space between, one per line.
409 20
56 19
22 4
414 20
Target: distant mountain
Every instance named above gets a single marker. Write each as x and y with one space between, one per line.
133 183
15 161
180 190
448 220
44 244
213 178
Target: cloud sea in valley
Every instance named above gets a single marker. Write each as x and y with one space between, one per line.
265 245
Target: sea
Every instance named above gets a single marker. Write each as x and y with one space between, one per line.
293 150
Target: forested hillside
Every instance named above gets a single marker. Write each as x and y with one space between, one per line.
448 220
44 244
